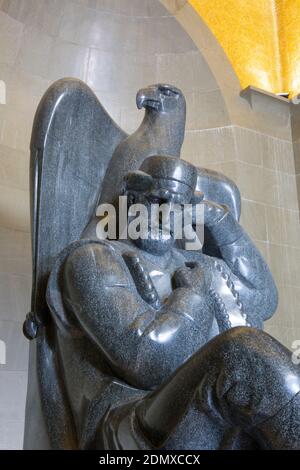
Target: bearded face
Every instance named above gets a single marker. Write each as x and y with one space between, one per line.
157 211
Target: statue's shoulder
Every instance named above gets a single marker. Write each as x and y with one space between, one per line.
82 266
95 258
85 249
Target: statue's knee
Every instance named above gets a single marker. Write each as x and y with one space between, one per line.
242 334
245 345
241 340
251 337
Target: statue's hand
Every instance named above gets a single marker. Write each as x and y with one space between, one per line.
191 276
213 212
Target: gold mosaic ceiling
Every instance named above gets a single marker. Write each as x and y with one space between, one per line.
261 39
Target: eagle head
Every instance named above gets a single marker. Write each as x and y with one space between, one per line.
161 97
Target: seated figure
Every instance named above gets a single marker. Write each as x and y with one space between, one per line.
153 313
150 346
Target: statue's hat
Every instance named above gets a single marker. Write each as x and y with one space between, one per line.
163 172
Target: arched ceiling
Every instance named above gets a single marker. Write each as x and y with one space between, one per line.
260 38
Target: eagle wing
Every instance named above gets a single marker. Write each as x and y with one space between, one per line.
73 139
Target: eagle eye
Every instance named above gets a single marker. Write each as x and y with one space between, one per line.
167 91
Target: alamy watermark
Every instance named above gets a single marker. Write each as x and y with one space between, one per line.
2 353
296 99
156 221
296 352
2 92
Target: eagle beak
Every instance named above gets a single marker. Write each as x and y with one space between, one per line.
147 98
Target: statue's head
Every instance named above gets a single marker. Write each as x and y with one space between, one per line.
163 98
161 180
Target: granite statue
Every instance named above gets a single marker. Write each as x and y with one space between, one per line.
140 343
